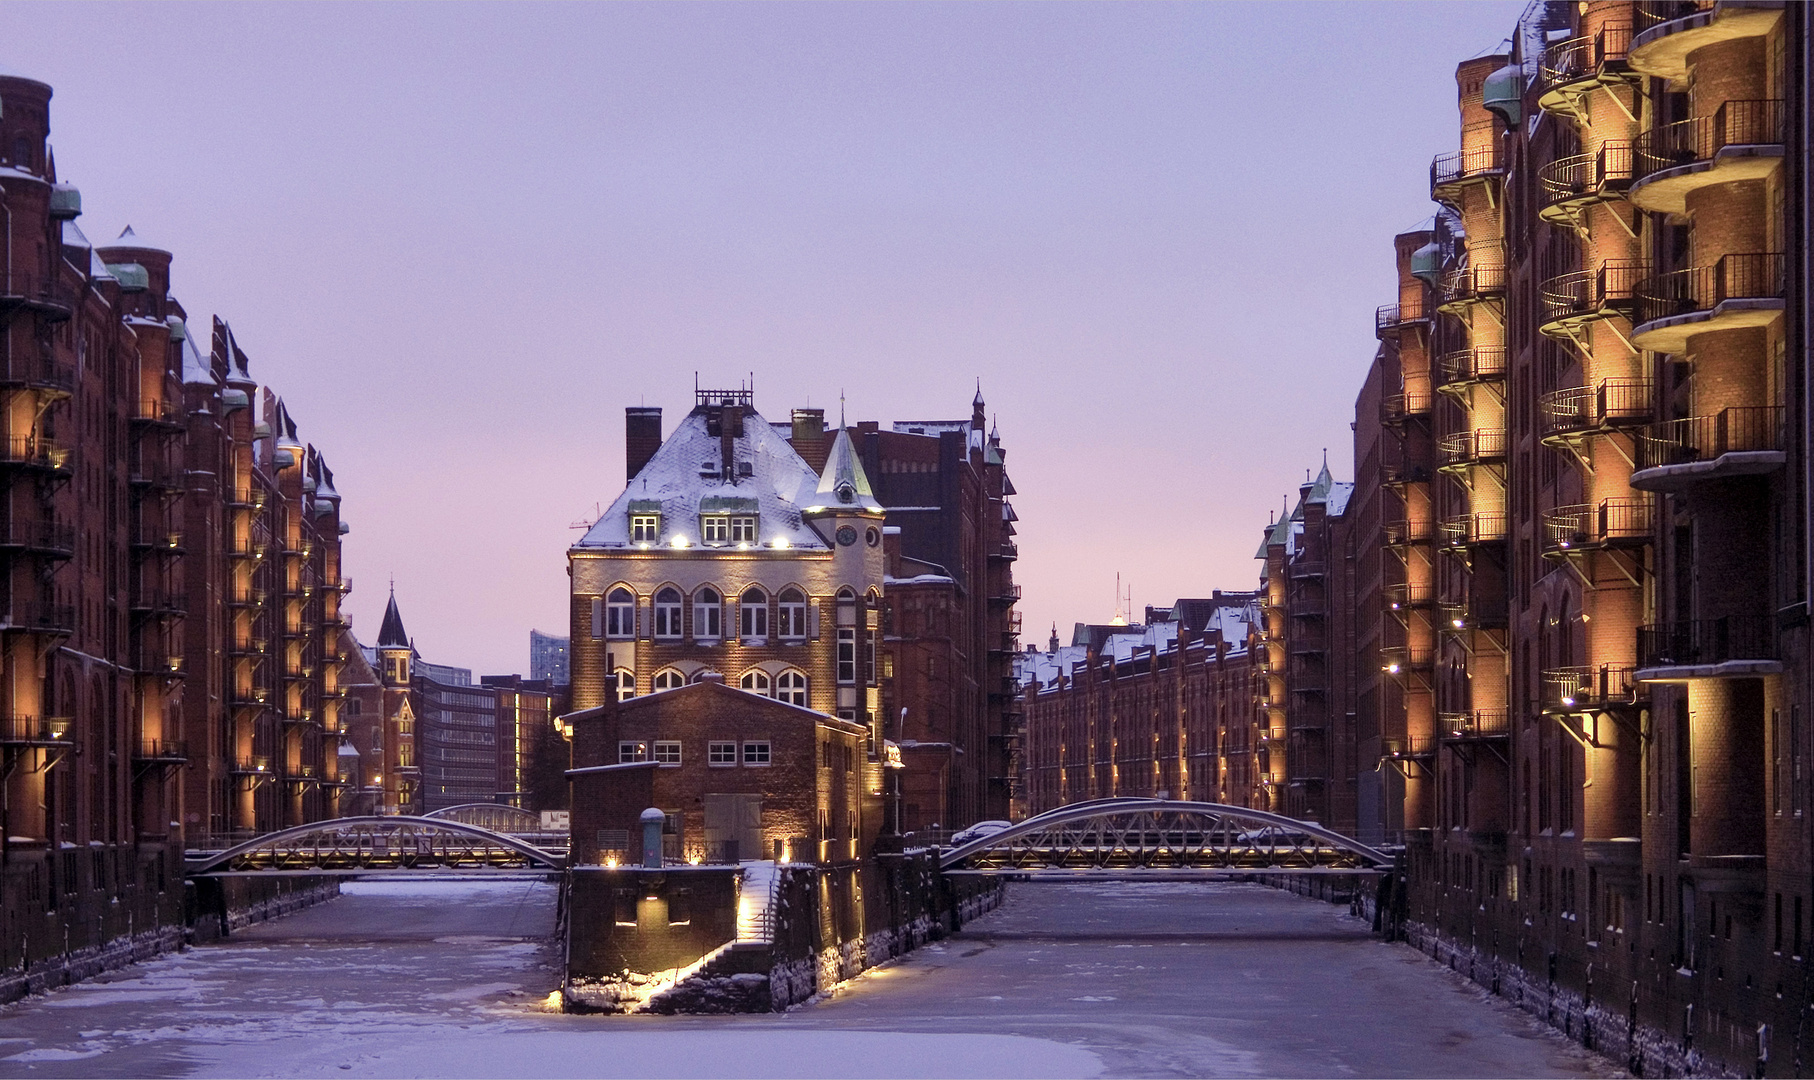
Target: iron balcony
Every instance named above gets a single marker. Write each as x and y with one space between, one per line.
1450 173
1404 533
34 618
158 412
1742 140
1582 411
1739 290
46 295
1572 68
1467 367
1620 522
1396 409
52 539
1466 449
1567 186
43 373
1586 688
161 752
1731 646
1571 301
1738 441
1393 317
37 730
1478 724
1466 531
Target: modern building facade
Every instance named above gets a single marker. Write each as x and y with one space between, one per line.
548 658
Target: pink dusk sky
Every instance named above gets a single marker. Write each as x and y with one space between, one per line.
460 238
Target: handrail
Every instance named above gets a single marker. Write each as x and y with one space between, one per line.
1481 527
1700 139
1581 57
1759 275
1468 447
1478 724
1738 429
1581 686
1610 288
1584 524
1461 165
1706 641
1585 408
1576 177
1478 364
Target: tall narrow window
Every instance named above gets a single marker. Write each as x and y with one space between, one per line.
752 612
620 614
626 684
756 681
847 655
667 613
869 659
791 612
708 613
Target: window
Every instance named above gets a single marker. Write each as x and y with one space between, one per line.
632 751
715 529
791 687
755 681
752 611
869 660
668 752
645 528
743 530
756 753
847 655
667 613
620 614
721 753
668 679
626 684
708 610
792 613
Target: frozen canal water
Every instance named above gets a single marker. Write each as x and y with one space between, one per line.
451 979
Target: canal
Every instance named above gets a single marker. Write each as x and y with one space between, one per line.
407 979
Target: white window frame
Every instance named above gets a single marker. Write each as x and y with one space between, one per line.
752 615
743 529
793 687
791 615
721 754
847 656
645 528
626 684
629 750
758 753
766 685
714 528
671 676
620 615
667 614
708 616
667 751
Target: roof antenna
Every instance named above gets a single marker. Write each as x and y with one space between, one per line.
840 408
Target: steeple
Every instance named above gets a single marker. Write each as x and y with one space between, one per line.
391 634
843 481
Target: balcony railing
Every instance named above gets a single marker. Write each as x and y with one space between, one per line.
157 411
1482 363
1752 276
1472 447
253 765
1571 689
163 750
48 537
1465 530
33 617
1304 568
1739 429
1393 316
1586 526
1399 473
1404 595
158 600
1473 284
1706 641
1585 178
42 373
1403 532
1403 747
33 452
1397 408
1586 58
1691 142
36 730
1570 299
1615 403
1448 170
1479 724
48 295
1398 659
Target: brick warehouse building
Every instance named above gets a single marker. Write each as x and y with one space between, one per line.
768 552
171 597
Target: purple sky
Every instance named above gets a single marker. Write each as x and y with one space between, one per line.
459 239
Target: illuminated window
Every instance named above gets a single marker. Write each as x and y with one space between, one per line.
721 753
715 529
632 751
755 681
791 613
620 614
708 611
626 684
743 530
668 679
667 613
645 528
756 753
667 752
752 614
791 687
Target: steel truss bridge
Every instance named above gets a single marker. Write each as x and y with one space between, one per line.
360 846
1161 839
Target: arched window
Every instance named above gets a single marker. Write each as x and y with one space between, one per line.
791 687
755 681
667 613
626 684
669 679
752 613
792 613
620 614
708 614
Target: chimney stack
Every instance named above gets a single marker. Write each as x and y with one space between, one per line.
642 437
809 437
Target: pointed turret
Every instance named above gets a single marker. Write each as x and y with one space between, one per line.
390 632
843 481
394 646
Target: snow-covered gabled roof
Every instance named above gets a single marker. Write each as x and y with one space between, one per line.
685 472
73 236
1339 494
196 371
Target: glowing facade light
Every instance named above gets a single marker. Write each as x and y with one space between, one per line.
679 542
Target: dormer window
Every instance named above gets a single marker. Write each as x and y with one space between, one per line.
743 529
645 528
715 528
